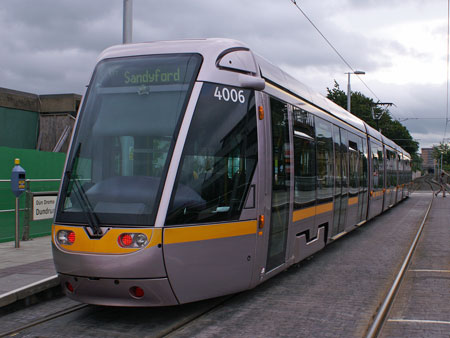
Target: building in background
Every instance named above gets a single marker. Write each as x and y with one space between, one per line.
429 162
40 122
37 130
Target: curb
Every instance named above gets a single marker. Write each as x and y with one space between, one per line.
25 294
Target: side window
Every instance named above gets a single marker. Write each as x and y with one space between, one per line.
365 164
218 160
325 160
395 169
304 159
393 177
337 160
375 165
354 164
344 158
381 167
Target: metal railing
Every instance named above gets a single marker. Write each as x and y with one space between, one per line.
29 203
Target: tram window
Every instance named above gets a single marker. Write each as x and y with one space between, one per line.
281 161
126 129
396 166
138 156
353 164
364 167
344 159
401 173
395 169
377 166
304 159
337 160
381 160
390 165
325 160
218 160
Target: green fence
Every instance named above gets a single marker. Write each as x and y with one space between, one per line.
43 172
18 128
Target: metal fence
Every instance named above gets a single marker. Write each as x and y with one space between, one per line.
29 227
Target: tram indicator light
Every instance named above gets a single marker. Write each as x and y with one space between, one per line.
261 222
261 112
71 237
125 240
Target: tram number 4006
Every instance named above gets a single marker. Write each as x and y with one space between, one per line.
227 94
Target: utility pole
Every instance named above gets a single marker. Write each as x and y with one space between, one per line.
127 21
349 91
377 115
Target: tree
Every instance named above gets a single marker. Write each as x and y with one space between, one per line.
361 106
442 151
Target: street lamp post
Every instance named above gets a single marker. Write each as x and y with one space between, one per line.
349 92
127 21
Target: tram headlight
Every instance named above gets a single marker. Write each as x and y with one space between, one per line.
141 240
65 237
132 240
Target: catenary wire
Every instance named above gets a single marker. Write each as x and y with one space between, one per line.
337 52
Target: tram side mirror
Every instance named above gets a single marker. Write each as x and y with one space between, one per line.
251 82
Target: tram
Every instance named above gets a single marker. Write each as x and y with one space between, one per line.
198 169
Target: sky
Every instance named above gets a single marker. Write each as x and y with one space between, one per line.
51 47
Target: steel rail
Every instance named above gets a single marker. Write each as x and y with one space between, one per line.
47 318
383 311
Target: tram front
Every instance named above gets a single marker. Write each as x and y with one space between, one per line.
160 163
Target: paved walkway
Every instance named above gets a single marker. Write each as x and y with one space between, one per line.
422 305
26 270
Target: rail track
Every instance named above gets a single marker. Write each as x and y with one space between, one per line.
183 320
425 183
383 311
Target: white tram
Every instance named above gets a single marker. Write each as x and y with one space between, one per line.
199 169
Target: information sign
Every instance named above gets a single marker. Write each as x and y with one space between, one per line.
43 207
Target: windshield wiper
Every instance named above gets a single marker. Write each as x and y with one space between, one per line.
81 197
87 209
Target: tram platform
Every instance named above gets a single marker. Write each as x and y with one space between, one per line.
26 271
422 305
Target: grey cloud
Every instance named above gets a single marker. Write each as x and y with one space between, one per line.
51 46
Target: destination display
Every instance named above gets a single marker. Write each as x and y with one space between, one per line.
154 70
150 76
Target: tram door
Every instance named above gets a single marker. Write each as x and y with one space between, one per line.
279 219
341 180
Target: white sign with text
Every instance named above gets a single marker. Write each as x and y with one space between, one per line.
43 207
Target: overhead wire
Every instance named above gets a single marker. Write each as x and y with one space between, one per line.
336 51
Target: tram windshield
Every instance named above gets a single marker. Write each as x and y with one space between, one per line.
125 134
219 158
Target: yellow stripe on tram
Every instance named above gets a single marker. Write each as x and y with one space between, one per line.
206 232
299 215
353 200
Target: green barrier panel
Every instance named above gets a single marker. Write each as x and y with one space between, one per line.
38 165
18 128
